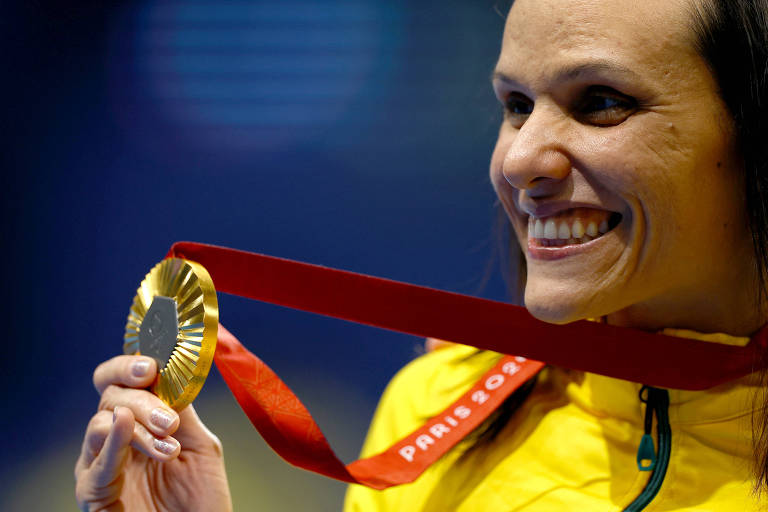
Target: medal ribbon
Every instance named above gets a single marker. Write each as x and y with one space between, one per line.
652 359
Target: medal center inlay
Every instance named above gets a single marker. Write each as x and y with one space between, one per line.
159 330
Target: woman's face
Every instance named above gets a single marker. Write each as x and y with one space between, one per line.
615 164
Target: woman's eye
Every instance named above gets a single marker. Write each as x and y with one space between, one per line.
517 108
604 107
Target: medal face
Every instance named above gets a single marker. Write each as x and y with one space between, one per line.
159 330
174 319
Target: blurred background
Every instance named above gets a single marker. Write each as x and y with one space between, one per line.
352 134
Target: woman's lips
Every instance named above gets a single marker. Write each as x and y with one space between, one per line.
568 232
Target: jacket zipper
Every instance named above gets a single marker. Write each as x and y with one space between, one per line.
656 400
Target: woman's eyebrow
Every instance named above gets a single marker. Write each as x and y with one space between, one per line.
594 67
497 75
575 71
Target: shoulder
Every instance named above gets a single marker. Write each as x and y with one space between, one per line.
422 389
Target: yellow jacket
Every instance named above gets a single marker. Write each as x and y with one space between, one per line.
572 445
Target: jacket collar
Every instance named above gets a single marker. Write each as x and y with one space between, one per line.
618 398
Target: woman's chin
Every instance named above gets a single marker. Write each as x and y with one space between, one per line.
555 309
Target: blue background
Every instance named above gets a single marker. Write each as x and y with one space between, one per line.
352 134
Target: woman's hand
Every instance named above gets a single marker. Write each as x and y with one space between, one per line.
138 454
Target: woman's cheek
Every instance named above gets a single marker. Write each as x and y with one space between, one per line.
497 168
506 193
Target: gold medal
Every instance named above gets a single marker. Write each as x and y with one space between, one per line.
174 319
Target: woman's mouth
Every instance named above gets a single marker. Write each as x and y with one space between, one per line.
572 227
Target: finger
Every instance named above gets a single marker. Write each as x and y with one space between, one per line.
130 371
161 449
102 482
108 464
148 409
95 435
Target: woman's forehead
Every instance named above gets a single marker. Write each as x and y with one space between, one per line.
540 32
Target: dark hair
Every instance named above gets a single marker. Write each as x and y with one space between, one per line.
732 37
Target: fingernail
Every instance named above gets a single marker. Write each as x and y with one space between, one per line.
140 368
160 418
114 414
166 447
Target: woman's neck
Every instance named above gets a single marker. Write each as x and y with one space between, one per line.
734 317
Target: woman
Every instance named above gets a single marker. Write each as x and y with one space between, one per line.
631 132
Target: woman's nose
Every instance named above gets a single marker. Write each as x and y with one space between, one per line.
535 159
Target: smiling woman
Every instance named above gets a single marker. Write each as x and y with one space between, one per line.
647 146
632 166
629 138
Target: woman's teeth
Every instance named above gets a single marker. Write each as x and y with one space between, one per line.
571 227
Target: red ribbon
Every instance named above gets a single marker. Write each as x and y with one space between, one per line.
286 425
624 353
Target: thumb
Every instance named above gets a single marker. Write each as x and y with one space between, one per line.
193 435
